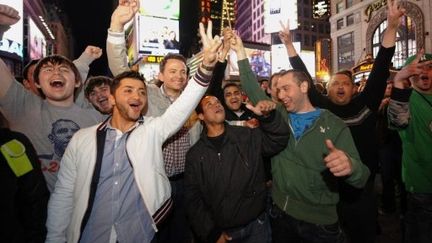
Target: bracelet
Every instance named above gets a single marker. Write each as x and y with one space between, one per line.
207 67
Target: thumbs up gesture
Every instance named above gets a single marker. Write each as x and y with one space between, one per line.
337 161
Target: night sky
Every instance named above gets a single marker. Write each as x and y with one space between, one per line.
89 21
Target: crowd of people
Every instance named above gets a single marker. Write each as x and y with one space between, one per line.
116 159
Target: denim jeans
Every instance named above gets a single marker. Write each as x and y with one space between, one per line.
418 218
257 231
288 229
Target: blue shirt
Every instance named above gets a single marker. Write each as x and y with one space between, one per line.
118 204
300 122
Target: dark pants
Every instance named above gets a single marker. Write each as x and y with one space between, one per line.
176 227
418 218
257 231
390 155
288 229
357 211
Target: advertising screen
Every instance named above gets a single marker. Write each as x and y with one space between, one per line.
278 10
157 36
160 8
259 61
36 41
12 41
280 59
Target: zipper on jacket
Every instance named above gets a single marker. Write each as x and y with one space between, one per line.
219 156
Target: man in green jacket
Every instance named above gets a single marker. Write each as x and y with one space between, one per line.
307 172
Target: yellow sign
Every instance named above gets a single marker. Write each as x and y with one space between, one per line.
153 59
366 67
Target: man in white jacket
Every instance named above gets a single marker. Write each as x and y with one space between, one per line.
112 186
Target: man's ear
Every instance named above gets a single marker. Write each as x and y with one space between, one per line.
160 77
77 84
304 86
111 100
201 116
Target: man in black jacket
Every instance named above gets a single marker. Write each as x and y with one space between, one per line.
225 188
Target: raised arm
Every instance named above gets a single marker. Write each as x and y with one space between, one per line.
116 44
373 92
316 98
248 79
8 16
83 62
398 110
215 87
179 111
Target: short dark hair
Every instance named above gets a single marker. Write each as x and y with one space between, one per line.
347 73
169 56
28 66
96 82
127 74
56 59
230 84
273 76
298 75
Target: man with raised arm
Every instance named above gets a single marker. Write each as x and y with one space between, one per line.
357 208
173 75
117 166
49 123
320 152
410 112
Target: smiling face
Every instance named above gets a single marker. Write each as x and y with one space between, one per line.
57 82
292 93
233 97
99 97
212 110
129 100
174 75
340 89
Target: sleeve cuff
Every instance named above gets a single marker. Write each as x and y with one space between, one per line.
202 78
401 95
116 37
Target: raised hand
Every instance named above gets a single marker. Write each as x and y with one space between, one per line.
237 46
93 52
285 33
262 108
337 161
124 13
8 15
210 45
227 35
415 68
394 13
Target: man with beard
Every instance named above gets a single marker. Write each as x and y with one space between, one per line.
118 165
410 111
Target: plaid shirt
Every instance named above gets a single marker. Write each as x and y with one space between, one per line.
174 152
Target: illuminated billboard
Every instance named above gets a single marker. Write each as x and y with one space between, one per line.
12 41
280 60
158 27
161 8
36 41
259 59
321 9
157 36
278 10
